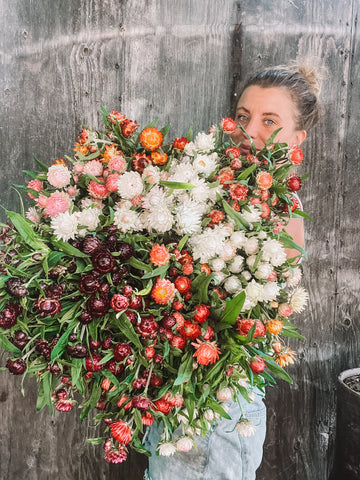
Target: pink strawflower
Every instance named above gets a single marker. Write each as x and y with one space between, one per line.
42 201
58 202
117 163
98 190
285 310
72 191
111 182
35 185
78 168
137 200
58 176
33 215
94 168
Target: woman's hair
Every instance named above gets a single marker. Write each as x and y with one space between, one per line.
303 85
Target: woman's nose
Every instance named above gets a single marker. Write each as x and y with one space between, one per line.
252 128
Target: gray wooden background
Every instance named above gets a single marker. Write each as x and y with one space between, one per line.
184 61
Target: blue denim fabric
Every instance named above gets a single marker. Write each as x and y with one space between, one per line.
220 455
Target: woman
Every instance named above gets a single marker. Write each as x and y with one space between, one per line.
283 98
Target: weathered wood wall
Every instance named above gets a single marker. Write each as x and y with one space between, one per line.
183 61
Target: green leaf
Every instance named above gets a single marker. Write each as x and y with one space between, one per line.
278 371
91 402
176 185
288 242
96 441
272 136
190 134
6 345
165 130
183 241
63 340
128 330
146 290
76 368
299 213
158 271
54 259
67 248
291 332
200 285
4 279
26 231
43 167
239 219
233 308
134 262
247 172
215 369
217 408
185 370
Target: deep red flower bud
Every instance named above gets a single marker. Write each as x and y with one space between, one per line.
89 284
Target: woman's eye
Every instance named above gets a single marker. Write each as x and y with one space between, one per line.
242 118
269 122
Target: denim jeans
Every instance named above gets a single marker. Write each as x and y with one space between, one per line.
222 455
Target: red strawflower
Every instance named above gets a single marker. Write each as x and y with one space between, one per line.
216 216
191 330
238 192
98 190
163 406
116 456
119 302
258 365
180 143
182 284
64 405
121 432
243 325
296 156
129 127
202 313
178 342
206 352
209 333
232 152
294 183
147 419
92 363
226 174
177 305
121 351
228 125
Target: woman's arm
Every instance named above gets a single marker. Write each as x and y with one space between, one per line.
295 228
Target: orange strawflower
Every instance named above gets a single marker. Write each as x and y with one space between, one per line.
159 255
83 136
60 162
151 138
274 326
158 158
206 352
105 384
264 180
163 292
83 149
110 151
285 357
205 268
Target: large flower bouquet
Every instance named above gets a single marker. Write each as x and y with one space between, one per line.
149 280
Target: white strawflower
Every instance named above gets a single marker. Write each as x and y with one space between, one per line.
253 215
298 299
219 277
273 252
261 235
254 291
204 142
167 449
91 202
238 239
251 246
209 415
247 275
126 219
205 164
202 192
243 381
189 148
293 277
217 264
160 220
237 264
245 428
183 415
228 251
58 176
130 185
263 271
33 215
208 244
270 291
88 220
151 174
224 394
250 261
184 444
182 173
232 284
188 217
248 304
154 199
64 226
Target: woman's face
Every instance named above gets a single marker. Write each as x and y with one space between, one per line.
261 111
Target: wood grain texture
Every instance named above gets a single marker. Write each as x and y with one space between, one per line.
184 61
